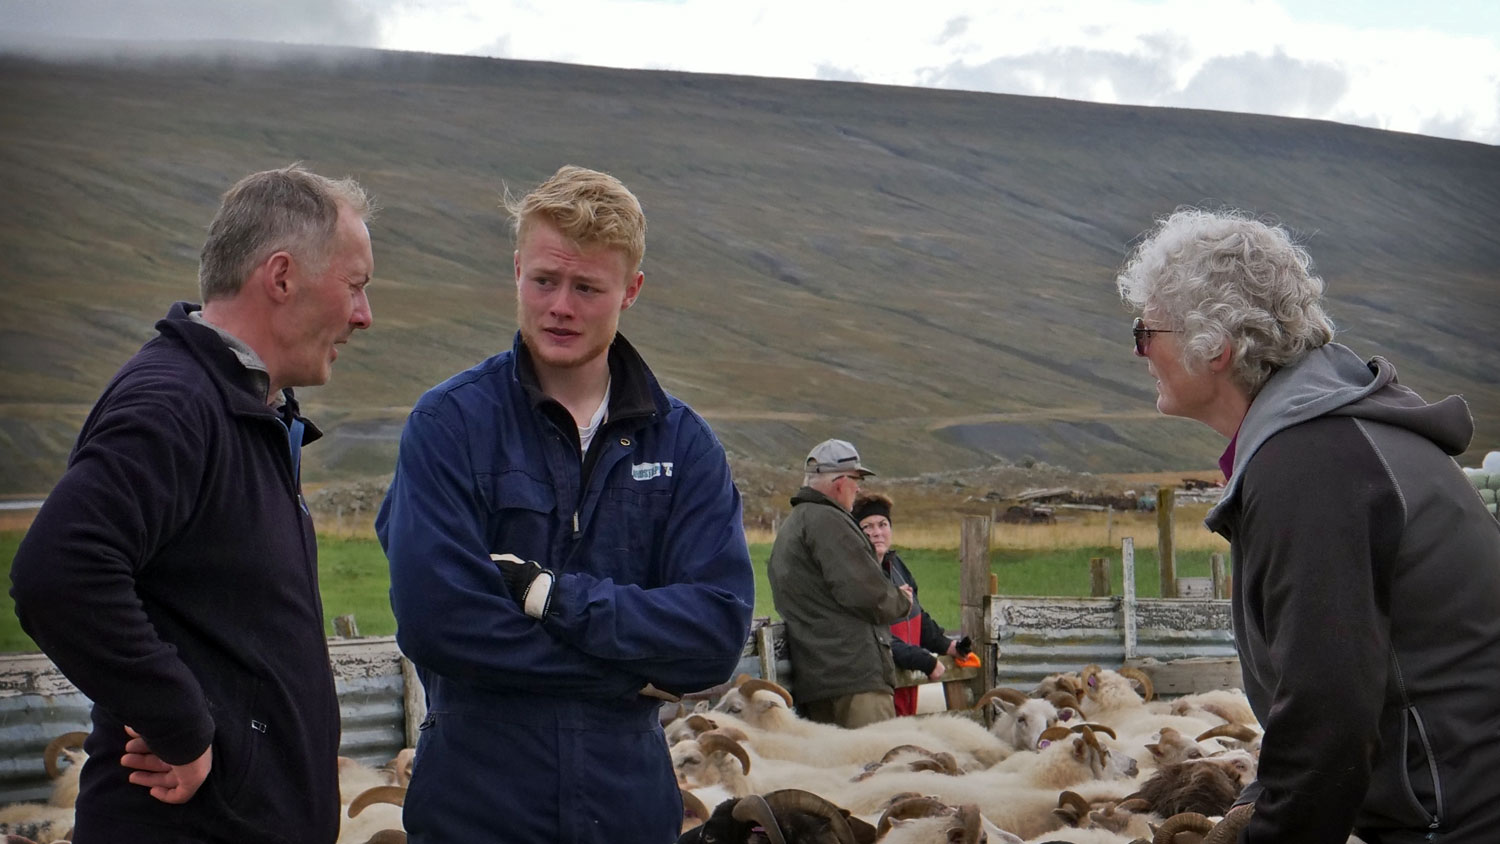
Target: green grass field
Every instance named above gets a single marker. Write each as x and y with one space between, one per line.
354 580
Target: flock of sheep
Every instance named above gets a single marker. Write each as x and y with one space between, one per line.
1084 758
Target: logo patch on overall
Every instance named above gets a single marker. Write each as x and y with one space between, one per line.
647 471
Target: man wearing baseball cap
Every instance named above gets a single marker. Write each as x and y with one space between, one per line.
837 604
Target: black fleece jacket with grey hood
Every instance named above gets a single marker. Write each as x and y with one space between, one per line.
1366 610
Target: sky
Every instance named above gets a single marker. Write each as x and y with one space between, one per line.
1431 68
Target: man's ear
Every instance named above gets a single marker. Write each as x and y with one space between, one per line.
633 289
275 277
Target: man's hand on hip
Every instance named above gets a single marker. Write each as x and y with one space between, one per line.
168 783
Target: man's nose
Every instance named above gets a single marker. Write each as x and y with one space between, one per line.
363 314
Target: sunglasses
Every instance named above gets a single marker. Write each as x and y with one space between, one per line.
1143 335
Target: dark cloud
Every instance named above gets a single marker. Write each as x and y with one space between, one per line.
1274 84
40 23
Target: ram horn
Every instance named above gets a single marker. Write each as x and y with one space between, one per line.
56 746
1239 732
753 808
1062 699
700 724
755 684
1181 822
1052 734
1148 691
1097 728
797 800
972 824
1228 830
393 794
912 807
904 748
720 743
693 806
1071 807
1011 696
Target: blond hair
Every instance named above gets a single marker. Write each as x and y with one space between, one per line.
588 207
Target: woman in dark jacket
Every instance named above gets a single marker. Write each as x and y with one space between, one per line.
917 639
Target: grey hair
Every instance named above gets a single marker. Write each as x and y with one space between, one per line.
820 481
1222 277
285 210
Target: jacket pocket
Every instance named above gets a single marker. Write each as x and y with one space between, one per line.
1420 779
629 528
521 515
238 737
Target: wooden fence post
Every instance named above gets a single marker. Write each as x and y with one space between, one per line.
1216 572
1166 497
974 572
344 626
1098 577
974 586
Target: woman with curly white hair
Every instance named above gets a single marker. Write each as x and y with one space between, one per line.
1366 570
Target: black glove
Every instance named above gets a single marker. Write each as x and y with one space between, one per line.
963 647
530 585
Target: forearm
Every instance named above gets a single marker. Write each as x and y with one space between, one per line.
75 595
910 657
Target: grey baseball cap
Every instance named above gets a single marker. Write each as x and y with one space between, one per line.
830 456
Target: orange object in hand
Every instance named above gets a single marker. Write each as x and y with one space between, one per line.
968 660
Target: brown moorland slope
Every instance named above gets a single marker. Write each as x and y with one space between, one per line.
927 273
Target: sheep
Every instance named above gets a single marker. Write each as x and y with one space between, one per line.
1064 759
1021 719
1171 746
65 780
374 816
1111 699
776 732
37 822
787 816
54 820
1019 801
1208 786
919 820
1229 705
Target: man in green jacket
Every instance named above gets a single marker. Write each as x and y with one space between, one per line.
837 604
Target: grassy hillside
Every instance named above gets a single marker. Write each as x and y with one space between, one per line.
928 273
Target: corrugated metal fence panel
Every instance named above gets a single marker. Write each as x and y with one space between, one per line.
38 704
367 675
1035 637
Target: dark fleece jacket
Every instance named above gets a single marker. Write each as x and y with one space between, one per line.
172 576
1366 610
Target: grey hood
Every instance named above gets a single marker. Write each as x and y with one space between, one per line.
1334 381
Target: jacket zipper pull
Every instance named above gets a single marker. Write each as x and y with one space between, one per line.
575 526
